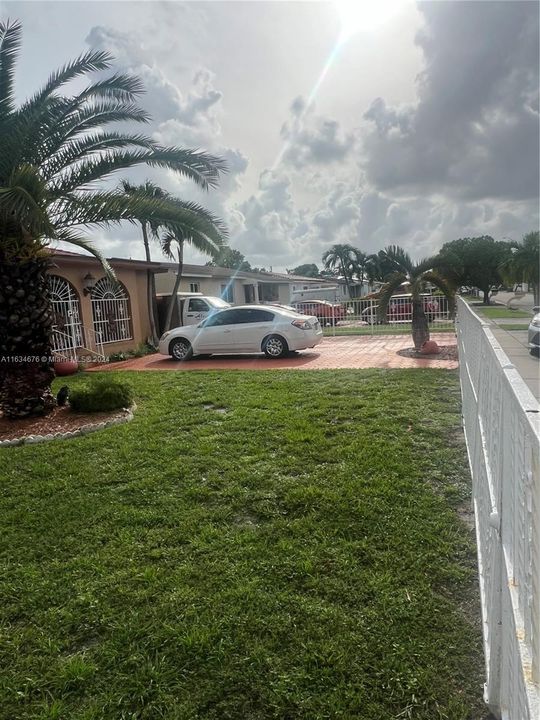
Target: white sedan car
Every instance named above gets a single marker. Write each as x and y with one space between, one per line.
244 329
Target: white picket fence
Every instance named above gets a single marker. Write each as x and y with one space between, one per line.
502 428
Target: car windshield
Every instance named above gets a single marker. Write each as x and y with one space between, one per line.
218 302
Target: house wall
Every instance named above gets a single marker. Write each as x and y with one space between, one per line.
135 283
213 287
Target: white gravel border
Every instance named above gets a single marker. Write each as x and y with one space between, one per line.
84 430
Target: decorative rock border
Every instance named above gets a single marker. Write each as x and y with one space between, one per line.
84 430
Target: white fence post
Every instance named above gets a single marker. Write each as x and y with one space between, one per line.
502 428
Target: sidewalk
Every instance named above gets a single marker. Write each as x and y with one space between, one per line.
513 340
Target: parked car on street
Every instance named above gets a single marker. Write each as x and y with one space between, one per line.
326 312
534 334
244 329
400 310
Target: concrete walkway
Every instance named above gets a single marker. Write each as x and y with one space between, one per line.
514 344
379 351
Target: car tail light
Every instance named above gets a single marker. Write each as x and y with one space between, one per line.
302 324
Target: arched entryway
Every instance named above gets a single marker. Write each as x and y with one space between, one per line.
67 334
111 312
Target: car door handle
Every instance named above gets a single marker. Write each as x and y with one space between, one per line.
227 331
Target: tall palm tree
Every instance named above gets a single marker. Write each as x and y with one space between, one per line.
341 258
359 267
524 263
201 238
418 275
148 228
54 148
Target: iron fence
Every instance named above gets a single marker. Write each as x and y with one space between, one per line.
361 316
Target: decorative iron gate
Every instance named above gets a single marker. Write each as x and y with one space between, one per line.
110 311
67 334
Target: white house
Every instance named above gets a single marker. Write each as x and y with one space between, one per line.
240 286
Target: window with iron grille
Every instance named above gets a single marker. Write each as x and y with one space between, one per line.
194 287
111 311
227 293
67 331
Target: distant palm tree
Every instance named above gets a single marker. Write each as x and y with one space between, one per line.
359 267
342 258
418 275
53 151
205 236
151 229
524 263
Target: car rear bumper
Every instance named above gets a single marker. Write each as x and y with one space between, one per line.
308 341
534 338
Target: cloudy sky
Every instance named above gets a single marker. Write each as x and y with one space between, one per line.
368 122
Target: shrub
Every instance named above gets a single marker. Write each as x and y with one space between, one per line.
101 394
141 350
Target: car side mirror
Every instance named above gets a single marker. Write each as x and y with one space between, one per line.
536 308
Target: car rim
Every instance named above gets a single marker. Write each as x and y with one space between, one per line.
274 347
180 351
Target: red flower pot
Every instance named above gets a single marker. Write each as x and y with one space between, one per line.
63 366
430 347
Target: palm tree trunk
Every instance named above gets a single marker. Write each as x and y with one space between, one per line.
343 270
26 319
420 326
486 296
172 300
150 289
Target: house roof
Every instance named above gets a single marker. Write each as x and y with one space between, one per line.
189 270
214 271
73 258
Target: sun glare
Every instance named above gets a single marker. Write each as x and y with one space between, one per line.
365 15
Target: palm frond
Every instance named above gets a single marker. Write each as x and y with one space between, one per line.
24 198
398 258
10 42
80 241
119 86
90 170
444 286
90 61
386 292
201 167
40 136
423 266
92 144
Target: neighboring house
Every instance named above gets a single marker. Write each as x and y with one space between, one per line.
239 286
93 314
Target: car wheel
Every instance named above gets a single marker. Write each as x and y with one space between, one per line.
180 349
275 347
535 352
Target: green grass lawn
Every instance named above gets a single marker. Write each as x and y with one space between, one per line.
253 546
383 329
514 326
498 311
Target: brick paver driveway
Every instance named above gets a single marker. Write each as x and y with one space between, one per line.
333 353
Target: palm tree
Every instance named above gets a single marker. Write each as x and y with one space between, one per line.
524 263
148 190
359 267
202 238
418 276
341 258
54 148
